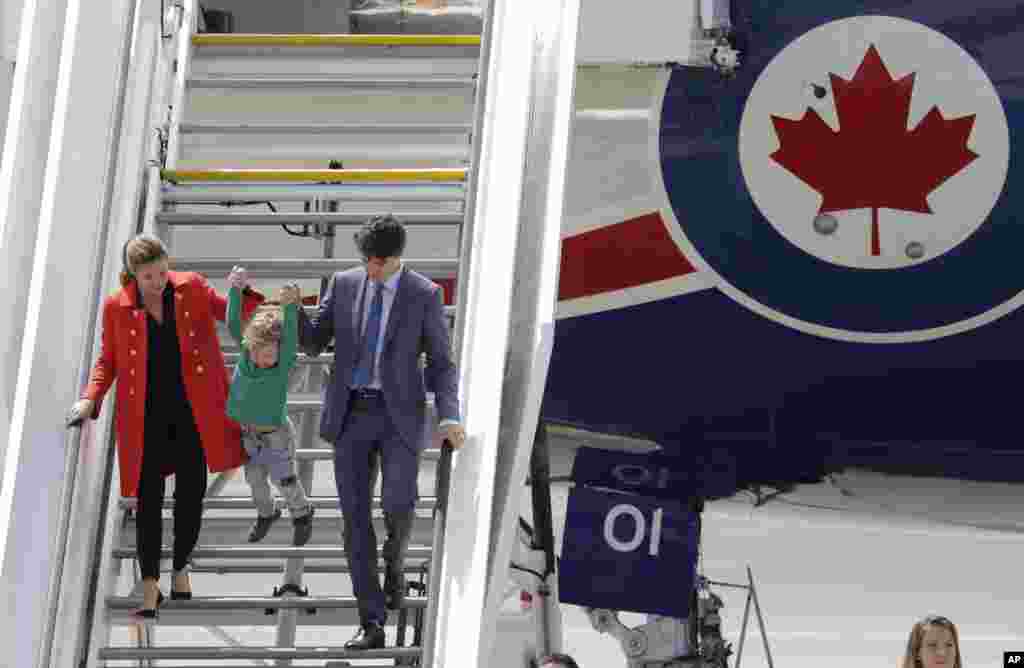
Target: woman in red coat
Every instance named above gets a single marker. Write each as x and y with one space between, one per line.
160 341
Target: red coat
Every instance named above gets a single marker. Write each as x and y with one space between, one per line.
123 356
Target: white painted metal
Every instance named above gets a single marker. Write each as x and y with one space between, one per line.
6 83
532 318
25 149
144 113
460 634
10 22
182 17
70 225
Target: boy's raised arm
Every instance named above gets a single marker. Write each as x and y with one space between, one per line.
234 315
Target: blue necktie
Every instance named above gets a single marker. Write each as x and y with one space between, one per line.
364 372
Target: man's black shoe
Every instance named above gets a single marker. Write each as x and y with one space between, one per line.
369 636
394 588
303 528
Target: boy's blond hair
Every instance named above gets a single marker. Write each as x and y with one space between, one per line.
264 327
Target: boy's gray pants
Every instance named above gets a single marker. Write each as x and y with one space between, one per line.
272 458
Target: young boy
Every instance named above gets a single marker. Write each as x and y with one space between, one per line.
259 392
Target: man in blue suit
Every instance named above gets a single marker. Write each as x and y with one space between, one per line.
381 316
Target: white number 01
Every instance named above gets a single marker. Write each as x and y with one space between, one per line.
639 529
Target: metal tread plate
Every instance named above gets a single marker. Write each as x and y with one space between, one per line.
280 653
316 40
307 268
309 567
348 84
253 603
326 531
316 176
359 129
312 218
423 503
268 552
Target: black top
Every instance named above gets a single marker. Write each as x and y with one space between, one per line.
165 387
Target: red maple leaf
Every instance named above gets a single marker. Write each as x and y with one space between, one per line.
873 161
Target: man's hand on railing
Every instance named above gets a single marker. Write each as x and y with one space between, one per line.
454 434
81 410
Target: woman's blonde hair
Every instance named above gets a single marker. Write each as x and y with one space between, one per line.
910 657
265 326
138 251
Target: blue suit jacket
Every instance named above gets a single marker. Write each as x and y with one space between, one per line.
416 324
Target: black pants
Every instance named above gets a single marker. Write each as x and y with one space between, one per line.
170 445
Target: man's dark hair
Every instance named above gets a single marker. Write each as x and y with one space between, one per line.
381 236
562 659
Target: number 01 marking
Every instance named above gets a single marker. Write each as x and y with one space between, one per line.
639 529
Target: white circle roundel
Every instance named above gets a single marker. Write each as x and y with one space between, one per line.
874 142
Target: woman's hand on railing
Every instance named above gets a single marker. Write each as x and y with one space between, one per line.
81 410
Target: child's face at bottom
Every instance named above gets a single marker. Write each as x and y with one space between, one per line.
264 356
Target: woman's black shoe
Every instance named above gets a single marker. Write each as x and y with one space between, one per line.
147 614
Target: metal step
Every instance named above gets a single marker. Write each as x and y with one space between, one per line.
307 268
314 129
433 152
315 176
336 39
318 218
423 503
315 56
378 194
401 144
414 552
219 567
280 653
249 611
230 531
249 617
199 150
254 602
346 85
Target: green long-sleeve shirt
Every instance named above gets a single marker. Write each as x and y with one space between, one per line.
259 396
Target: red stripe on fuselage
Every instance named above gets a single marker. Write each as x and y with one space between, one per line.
634 252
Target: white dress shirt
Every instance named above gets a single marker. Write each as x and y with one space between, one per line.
390 287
